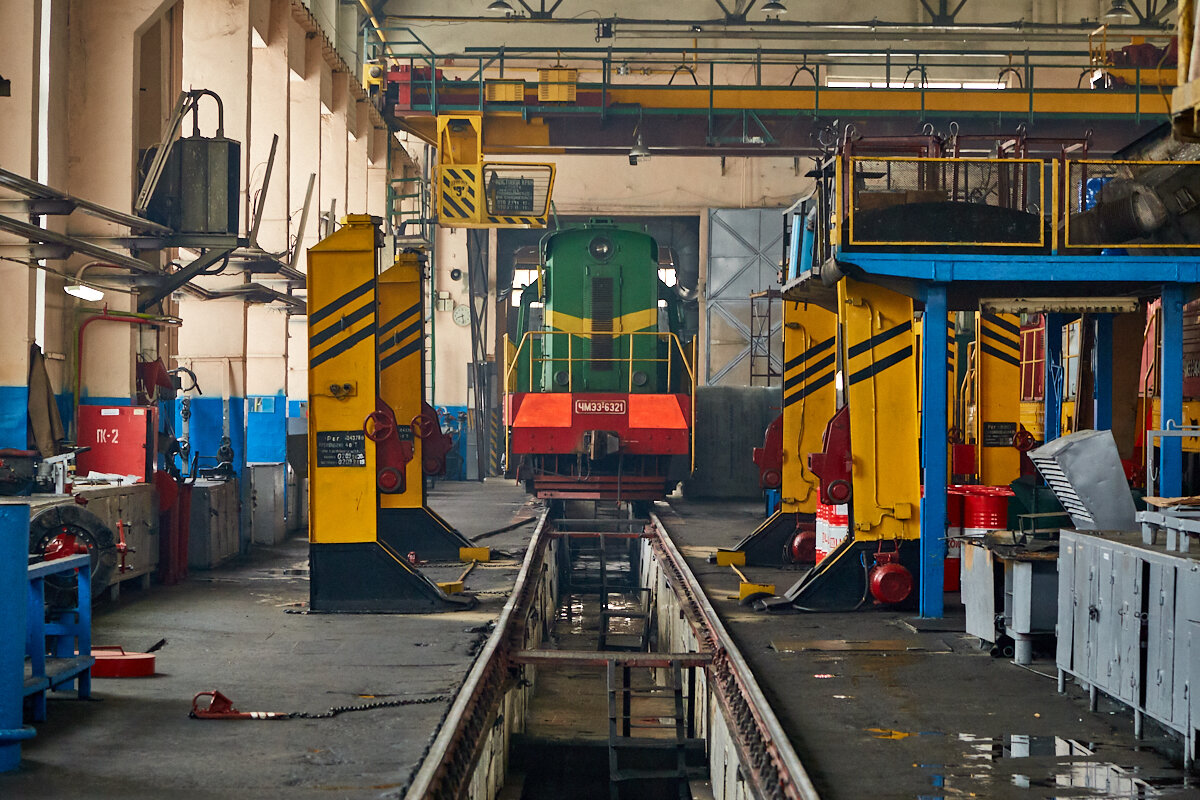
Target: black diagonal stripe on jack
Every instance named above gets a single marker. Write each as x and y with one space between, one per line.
401 354
401 317
881 365
816 349
329 308
392 341
469 205
808 372
341 325
999 338
805 391
1003 324
342 346
878 339
1005 357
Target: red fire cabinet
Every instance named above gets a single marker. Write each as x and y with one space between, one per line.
122 440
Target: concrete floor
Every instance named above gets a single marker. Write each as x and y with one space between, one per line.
235 630
937 718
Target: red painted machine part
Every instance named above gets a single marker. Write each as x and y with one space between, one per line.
803 548
435 443
114 662
63 546
769 457
392 453
834 465
890 581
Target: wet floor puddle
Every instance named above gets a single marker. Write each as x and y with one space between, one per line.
1038 766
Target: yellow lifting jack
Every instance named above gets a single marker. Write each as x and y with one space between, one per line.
372 438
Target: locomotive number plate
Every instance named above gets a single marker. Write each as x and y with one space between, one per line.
600 407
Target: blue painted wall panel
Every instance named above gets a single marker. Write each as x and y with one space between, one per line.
266 429
105 401
14 416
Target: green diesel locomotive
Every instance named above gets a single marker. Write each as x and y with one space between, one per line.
598 384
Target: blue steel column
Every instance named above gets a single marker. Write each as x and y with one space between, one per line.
1170 476
1053 384
1103 373
934 426
14 546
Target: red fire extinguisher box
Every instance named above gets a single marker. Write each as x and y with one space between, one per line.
121 439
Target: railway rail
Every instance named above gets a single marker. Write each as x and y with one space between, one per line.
745 750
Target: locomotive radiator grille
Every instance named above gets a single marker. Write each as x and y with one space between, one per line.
602 324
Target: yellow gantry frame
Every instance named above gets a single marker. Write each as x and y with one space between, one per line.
809 398
459 179
881 390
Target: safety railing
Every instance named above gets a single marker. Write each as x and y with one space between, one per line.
944 202
600 80
1038 204
525 365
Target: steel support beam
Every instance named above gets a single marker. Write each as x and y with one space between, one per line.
1102 391
1170 370
1054 380
934 426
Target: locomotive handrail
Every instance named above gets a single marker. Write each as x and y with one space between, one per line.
514 361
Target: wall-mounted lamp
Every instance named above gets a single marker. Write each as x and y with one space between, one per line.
774 7
500 7
82 290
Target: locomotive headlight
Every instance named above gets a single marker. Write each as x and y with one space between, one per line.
640 378
601 248
562 378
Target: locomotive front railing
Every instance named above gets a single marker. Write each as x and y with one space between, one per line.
529 354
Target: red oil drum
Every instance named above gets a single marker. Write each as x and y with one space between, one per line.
985 508
952 580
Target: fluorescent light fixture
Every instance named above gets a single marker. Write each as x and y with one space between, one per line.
1067 305
83 292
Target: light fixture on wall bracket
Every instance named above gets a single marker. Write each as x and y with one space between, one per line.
82 290
1119 12
774 7
500 7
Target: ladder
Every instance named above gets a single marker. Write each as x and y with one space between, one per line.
764 366
647 741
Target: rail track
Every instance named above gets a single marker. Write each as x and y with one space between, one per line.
721 716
